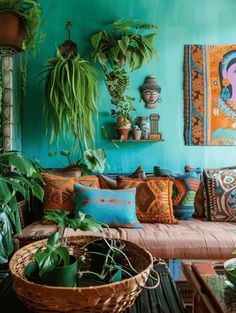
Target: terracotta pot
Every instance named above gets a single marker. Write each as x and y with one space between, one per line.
122 123
123 132
12 30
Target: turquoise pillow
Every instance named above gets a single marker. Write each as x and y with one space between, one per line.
116 208
184 191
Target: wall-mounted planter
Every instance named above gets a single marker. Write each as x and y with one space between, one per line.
12 30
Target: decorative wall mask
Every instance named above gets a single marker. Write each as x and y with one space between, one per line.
150 92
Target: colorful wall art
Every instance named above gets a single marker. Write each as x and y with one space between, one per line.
210 95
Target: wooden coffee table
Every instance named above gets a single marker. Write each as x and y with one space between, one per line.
212 292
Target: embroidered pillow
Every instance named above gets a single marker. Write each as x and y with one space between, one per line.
200 198
113 207
59 190
184 191
220 185
153 198
107 182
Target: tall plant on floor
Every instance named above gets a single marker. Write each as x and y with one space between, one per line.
19 175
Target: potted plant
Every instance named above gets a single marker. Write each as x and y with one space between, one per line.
123 42
92 160
19 23
19 175
70 98
53 263
123 119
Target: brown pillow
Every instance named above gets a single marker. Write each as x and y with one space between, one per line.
109 183
59 190
153 198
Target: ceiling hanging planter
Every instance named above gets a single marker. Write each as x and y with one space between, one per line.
12 31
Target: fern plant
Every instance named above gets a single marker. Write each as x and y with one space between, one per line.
71 94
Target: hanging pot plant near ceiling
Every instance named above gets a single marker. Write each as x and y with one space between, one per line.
71 94
19 23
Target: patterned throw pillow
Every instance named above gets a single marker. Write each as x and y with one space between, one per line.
59 190
200 198
184 191
108 183
153 198
113 207
220 185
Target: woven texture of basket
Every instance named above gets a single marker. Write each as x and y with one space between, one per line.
113 297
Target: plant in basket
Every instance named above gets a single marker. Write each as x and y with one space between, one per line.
53 263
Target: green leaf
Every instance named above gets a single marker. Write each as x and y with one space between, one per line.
96 39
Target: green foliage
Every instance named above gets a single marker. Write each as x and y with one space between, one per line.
124 40
29 12
93 160
18 175
55 252
6 244
71 93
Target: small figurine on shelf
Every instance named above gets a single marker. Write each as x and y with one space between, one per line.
137 132
150 92
144 125
155 135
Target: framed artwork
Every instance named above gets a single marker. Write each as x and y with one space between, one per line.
210 95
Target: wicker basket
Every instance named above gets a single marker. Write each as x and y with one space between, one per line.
114 297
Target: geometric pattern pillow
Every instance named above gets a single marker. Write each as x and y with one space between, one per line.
220 186
153 198
113 207
184 190
59 190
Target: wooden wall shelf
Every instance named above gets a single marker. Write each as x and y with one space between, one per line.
140 140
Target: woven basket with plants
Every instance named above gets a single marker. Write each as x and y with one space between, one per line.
105 275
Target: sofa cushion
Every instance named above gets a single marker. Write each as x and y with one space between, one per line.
220 185
193 239
59 190
153 198
184 190
113 207
107 182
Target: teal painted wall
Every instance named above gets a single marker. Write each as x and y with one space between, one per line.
181 22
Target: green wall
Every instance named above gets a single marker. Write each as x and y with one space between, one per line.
181 22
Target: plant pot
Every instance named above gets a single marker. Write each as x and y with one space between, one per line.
123 127
64 276
137 134
12 30
123 133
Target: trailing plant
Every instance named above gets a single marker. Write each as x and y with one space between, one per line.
124 42
29 12
92 160
19 174
55 252
70 98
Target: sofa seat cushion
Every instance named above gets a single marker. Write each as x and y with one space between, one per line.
193 239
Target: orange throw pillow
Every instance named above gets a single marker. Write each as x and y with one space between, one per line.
59 190
153 198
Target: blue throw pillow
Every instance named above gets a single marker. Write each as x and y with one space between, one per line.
184 190
114 207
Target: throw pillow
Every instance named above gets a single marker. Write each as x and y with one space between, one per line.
153 198
107 182
184 191
200 198
59 190
113 207
220 185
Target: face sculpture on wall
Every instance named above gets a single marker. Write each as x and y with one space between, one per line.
150 91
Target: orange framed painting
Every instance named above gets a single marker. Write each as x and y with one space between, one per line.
210 94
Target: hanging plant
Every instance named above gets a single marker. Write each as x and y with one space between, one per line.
71 93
